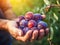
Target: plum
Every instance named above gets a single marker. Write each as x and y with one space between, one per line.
20 27
25 29
34 28
42 24
37 16
39 26
38 21
32 23
23 23
21 17
29 15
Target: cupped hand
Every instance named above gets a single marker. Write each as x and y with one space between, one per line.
17 33
29 36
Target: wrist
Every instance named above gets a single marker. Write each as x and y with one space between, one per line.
3 24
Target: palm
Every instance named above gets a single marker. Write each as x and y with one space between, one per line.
13 30
17 33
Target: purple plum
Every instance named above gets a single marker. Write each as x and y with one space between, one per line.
32 23
37 16
34 28
23 23
25 29
42 24
29 15
38 21
21 18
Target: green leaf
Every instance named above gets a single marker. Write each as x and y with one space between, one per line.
52 33
57 1
56 27
55 16
47 2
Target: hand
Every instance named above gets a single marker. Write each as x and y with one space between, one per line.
17 33
33 36
38 35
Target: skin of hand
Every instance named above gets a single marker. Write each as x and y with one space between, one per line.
17 33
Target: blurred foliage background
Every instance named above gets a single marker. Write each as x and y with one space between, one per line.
51 8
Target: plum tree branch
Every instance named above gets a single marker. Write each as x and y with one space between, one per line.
48 7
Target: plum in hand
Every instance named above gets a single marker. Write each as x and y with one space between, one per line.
32 23
29 15
37 16
23 23
42 25
25 29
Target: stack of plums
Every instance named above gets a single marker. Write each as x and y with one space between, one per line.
32 21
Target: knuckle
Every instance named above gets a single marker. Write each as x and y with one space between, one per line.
35 31
41 30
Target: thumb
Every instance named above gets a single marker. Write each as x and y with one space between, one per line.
26 37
